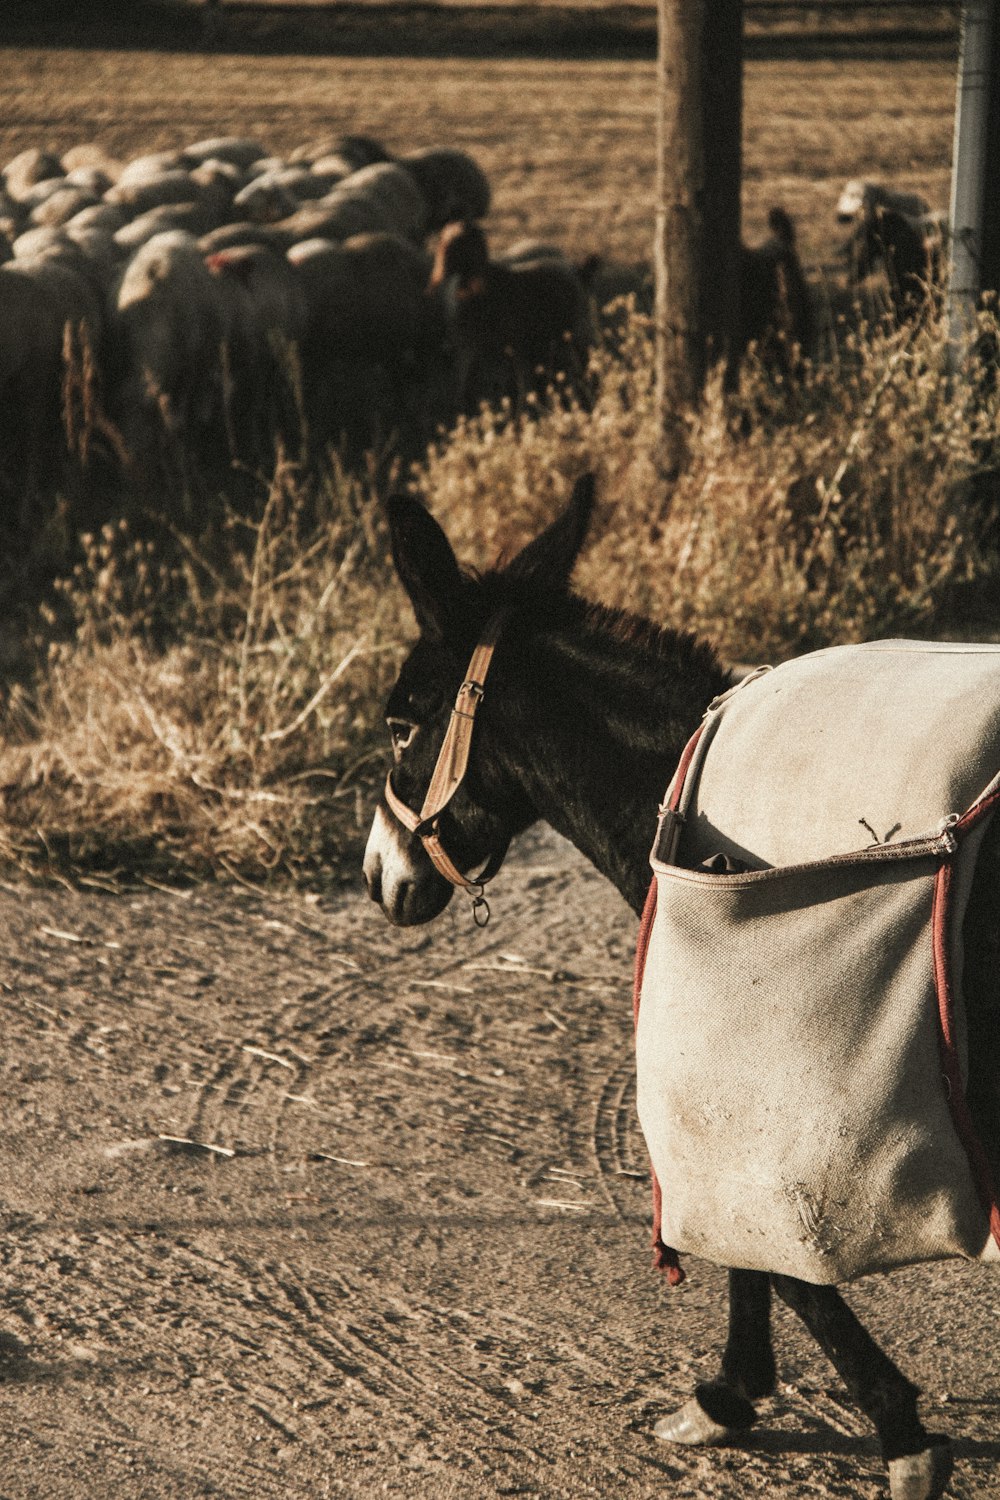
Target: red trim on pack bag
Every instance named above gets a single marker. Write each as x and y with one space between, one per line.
941 916
642 947
664 1257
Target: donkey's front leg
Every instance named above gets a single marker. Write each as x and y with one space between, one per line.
919 1463
721 1410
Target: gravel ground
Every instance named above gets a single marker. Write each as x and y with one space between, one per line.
299 1205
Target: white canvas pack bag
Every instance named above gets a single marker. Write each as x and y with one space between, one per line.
800 1037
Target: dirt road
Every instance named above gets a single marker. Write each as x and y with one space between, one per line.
404 1250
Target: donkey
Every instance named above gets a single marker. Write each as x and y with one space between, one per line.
586 714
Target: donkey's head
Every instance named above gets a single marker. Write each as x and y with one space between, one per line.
456 612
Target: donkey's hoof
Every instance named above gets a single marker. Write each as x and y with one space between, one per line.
921 1476
691 1424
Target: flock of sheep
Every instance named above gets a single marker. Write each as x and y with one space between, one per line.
218 290
217 295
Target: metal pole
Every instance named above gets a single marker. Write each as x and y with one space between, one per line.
969 166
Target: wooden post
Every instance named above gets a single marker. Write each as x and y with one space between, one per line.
699 115
680 180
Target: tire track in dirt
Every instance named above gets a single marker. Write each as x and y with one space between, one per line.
614 1145
424 1272
316 1340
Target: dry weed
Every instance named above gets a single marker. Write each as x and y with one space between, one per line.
834 510
214 716
220 715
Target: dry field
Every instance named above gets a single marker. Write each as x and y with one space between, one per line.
296 1205
567 145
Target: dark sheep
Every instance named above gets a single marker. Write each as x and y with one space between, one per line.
909 249
860 198
454 187
360 151
513 326
775 308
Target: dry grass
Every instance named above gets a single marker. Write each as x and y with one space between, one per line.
213 715
221 716
568 146
837 511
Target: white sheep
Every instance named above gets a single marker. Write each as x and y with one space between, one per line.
383 198
60 206
236 149
155 191
193 218
860 198
372 335
265 318
265 200
170 328
27 169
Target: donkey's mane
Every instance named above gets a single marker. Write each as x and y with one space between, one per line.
664 645
640 680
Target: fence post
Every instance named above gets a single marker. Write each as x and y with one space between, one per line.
677 236
699 96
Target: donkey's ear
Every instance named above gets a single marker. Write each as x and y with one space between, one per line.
549 559
426 564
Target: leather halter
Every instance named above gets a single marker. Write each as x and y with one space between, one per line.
449 773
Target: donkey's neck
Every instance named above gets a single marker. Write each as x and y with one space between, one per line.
595 712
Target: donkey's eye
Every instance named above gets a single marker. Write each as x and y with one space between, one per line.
401 732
